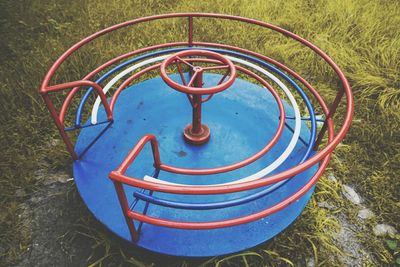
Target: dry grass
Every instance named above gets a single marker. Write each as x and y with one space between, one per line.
362 36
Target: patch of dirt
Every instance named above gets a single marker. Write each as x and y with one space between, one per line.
347 240
52 213
64 233
55 215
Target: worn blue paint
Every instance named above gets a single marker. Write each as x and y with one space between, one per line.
223 51
242 119
232 202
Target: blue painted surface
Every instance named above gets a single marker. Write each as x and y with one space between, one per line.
267 65
214 205
242 120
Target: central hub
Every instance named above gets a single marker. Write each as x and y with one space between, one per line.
196 138
197 133
197 69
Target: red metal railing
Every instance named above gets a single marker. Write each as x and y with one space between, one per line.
190 42
59 118
226 168
119 176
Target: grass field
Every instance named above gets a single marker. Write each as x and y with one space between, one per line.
363 37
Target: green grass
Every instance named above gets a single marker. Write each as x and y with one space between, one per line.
362 36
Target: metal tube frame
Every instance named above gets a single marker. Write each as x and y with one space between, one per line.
118 176
59 118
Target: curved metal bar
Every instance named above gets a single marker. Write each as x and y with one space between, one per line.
188 89
216 189
229 168
346 86
241 200
200 206
280 65
248 185
85 98
136 150
243 219
208 98
94 85
218 169
324 154
314 92
154 59
251 217
114 60
235 221
255 59
278 161
123 73
248 160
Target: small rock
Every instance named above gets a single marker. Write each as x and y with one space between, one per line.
310 262
24 208
20 193
36 199
326 205
351 194
332 178
63 178
54 142
365 214
57 178
384 229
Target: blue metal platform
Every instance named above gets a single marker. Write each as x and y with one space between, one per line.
242 120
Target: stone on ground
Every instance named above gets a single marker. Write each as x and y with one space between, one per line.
384 229
351 195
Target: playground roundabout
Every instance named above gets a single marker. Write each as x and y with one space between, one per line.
195 148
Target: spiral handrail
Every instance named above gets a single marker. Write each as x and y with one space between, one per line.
119 177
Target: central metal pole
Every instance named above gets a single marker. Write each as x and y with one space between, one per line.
197 99
197 133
